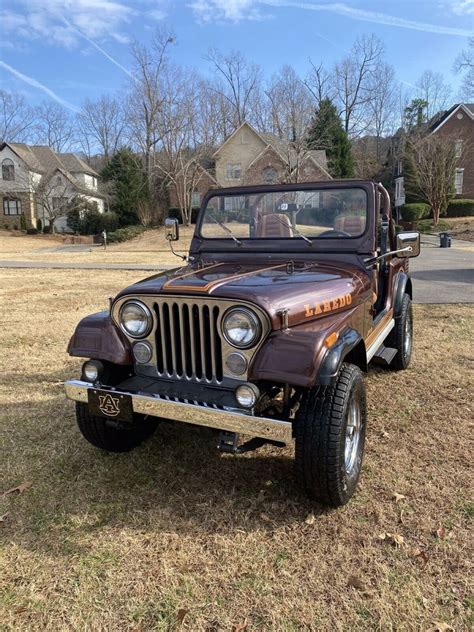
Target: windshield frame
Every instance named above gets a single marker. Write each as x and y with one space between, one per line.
362 243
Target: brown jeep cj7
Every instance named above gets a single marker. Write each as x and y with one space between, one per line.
288 293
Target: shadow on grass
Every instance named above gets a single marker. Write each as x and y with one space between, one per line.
176 483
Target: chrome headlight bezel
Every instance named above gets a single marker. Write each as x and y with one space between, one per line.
252 318
148 318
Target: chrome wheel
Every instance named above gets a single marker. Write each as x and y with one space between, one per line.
353 433
408 335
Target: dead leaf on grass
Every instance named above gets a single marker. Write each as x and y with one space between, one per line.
420 555
441 532
265 517
19 488
181 614
310 518
392 538
4 517
240 627
398 497
440 626
20 609
356 582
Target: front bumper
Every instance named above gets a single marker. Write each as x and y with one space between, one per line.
190 413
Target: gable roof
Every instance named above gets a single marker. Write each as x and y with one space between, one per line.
442 118
26 155
76 165
235 132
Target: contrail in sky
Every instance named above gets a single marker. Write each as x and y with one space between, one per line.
40 86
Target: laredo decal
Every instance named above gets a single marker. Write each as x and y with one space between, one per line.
327 306
109 405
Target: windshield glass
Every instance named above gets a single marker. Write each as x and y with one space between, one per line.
309 214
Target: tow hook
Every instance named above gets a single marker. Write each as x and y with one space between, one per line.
229 442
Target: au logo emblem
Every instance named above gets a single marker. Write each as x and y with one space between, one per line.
109 405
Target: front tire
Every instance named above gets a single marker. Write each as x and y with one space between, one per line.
401 336
102 434
330 436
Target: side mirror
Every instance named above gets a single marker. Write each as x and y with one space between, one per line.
171 229
408 240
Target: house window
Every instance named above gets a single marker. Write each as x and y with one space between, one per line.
458 148
233 171
195 198
458 180
234 203
8 169
11 207
270 175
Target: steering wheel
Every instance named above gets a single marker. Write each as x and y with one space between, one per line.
334 233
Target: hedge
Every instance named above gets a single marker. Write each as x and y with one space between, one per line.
175 213
460 208
415 211
124 234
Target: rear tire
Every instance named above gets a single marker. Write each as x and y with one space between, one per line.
401 336
330 436
102 434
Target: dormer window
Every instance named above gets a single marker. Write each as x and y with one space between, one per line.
8 170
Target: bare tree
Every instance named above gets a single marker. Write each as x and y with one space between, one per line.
239 83
53 126
148 96
55 198
353 82
16 117
432 89
382 107
464 63
430 170
185 137
320 84
101 126
290 105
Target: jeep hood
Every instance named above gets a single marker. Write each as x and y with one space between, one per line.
306 290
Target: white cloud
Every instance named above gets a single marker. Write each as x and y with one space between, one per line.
237 10
232 10
37 84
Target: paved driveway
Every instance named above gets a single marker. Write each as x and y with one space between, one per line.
443 275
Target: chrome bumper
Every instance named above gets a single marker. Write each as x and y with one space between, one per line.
195 414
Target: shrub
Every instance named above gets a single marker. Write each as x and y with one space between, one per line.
32 231
23 225
91 222
175 213
415 211
460 208
39 225
427 226
124 234
47 230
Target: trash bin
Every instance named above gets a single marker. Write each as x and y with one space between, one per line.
444 240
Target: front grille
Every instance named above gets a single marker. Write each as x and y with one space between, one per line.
188 343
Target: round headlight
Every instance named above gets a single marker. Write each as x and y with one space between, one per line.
247 395
142 352
135 319
241 327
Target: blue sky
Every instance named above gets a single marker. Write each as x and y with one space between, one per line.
76 49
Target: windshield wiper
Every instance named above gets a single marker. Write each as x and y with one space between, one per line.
295 230
226 228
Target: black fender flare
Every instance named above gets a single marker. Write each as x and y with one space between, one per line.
350 347
402 286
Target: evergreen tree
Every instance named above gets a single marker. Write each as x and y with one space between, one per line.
326 132
129 185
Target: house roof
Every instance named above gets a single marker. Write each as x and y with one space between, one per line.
76 165
441 118
281 146
24 152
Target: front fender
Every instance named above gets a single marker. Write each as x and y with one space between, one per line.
97 337
297 356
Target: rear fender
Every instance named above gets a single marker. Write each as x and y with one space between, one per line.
98 338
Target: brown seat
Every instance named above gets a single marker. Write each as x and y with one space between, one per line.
350 224
274 225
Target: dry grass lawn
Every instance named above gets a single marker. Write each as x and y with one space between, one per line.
150 247
175 536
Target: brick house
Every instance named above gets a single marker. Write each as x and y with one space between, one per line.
457 123
251 157
34 179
